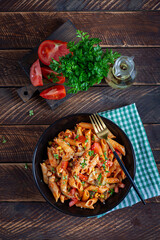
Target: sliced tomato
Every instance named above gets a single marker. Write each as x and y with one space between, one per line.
96 147
47 71
82 139
82 177
52 49
54 93
36 74
73 202
64 165
73 191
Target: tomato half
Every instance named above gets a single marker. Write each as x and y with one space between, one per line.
73 202
52 49
82 139
96 147
54 93
64 165
82 177
47 71
36 74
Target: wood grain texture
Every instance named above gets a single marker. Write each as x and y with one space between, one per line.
147 62
74 5
40 221
26 30
21 141
96 99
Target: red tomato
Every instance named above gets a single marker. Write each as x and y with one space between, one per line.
95 147
109 163
82 139
52 49
64 165
73 191
36 74
54 93
82 177
47 71
73 202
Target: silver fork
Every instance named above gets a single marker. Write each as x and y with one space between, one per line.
102 132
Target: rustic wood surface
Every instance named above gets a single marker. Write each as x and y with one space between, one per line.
24 214
80 5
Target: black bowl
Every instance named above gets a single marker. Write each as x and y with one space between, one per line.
40 154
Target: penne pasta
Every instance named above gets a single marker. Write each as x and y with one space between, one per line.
82 168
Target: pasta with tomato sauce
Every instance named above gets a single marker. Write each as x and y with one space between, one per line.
82 168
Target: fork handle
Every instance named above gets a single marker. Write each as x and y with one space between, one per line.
128 176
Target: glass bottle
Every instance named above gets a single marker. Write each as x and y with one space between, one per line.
122 74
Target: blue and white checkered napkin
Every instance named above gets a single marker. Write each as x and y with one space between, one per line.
147 177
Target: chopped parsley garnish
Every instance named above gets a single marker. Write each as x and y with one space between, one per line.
91 193
77 136
86 141
31 112
107 171
105 156
111 191
64 177
99 178
4 140
91 153
66 136
26 166
85 147
83 182
83 164
104 166
53 170
75 176
56 156
68 143
93 138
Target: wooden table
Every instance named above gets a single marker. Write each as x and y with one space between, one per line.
24 214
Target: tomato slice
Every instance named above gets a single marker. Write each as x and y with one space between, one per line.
52 49
47 71
54 93
73 202
82 177
82 139
96 147
36 74
64 165
73 191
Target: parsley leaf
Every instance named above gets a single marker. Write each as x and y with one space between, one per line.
77 136
99 178
56 156
4 140
31 113
83 182
111 191
83 164
53 170
87 65
91 153
105 156
26 166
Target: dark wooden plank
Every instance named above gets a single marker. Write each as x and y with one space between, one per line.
18 147
41 221
26 30
17 183
96 99
74 5
146 59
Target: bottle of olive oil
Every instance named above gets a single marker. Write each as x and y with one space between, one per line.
122 74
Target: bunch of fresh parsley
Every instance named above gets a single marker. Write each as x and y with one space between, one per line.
86 65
